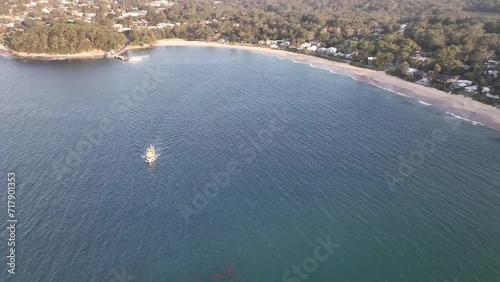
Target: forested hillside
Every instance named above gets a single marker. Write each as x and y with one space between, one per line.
66 38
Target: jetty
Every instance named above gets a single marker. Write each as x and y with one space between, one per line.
118 54
132 58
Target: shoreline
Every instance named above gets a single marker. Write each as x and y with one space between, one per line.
456 105
96 54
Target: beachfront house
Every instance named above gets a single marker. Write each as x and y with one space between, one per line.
164 25
402 27
312 48
492 96
462 83
371 60
445 79
471 89
223 40
351 56
492 62
411 72
321 50
493 73
331 50
424 81
304 46
285 44
486 89
315 42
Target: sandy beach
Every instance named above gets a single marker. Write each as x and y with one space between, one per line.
465 108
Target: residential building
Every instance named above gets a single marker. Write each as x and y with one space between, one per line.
424 81
164 25
493 73
496 97
331 50
461 84
411 72
312 48
443 78
471 89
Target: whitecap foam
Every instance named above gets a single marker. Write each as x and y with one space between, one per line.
352 76
387 89
424 103
466 119
316 67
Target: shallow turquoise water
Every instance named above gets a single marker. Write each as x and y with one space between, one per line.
261 160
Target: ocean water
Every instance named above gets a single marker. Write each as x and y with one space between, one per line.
269 170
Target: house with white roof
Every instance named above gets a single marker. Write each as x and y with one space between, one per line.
461 84
493 73
471 89
312 48
321 50
402 27
331 50
424 81
496 97
411 72
285 44
304 46
164 25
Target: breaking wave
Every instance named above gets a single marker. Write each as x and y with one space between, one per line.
466 119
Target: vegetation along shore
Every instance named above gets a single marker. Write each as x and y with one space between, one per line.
422 46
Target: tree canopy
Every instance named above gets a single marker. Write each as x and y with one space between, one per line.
65 39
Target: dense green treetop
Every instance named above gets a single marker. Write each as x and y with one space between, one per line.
65 39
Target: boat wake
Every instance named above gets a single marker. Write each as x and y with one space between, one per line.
469 120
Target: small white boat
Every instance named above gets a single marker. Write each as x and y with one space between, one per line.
151 154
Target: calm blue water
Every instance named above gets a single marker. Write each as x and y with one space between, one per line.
261 160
